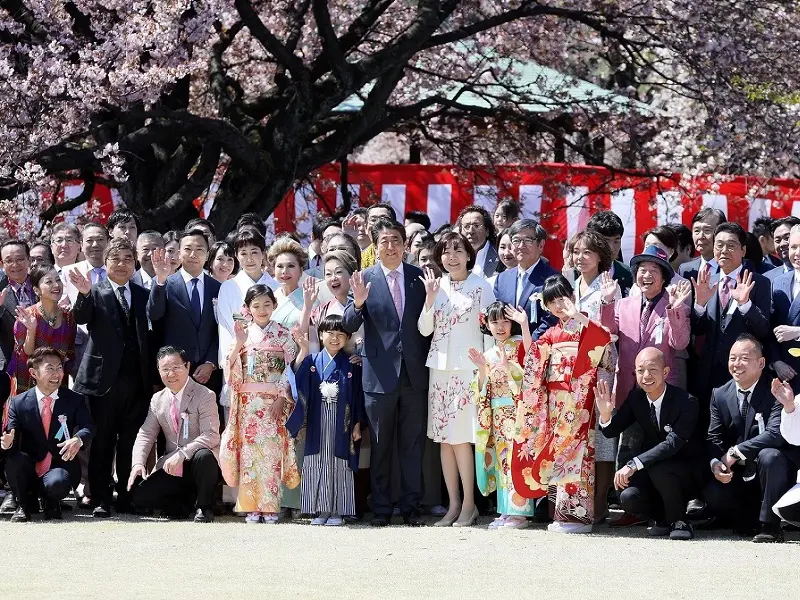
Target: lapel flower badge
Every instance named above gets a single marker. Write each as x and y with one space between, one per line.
536 297
313 369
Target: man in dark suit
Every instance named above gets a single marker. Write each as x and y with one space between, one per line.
704 224
183 306
786 317
388 299
737 301
115 370
751 463
762 229
656 483
781 231
147 242
15 290
46 428
475 224
517 287
608 224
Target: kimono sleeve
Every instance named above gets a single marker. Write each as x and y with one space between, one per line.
297 419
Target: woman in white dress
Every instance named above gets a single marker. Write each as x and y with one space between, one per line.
452 315
591 256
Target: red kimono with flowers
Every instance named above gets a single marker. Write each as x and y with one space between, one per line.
554 444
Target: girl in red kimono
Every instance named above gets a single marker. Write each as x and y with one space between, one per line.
554 444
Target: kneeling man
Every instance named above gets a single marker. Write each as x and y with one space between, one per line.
657 483
46 428
186 413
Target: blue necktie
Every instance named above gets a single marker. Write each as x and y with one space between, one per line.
194 302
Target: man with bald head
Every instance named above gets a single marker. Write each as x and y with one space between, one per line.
657 483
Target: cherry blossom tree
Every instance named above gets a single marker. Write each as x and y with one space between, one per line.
149 96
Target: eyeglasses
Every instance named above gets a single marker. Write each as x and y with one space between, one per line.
171 370
728 246
64 241
523 241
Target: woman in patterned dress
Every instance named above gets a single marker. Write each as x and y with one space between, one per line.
257 452
451 314
555 430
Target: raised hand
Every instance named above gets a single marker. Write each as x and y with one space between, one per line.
431 282
3 296
240 331
609 288
27 317
7 439
161 265
81 282
477 358
301 339
360 291
517 315
570 309
783 393
310 291
744 285
679 294
703 290
604 401
350 225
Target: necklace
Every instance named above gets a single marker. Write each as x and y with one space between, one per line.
49 320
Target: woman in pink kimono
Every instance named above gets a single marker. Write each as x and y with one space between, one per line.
257 453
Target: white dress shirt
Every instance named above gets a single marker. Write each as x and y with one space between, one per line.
701 310
795 284
480 259
522 277
400 281
147 281
187 279
126 292
790 423
40 395
739 401
713 265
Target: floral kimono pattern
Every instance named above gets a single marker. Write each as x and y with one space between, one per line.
555 424
256 452
497 411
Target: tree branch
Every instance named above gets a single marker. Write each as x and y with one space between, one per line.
330 44
52 211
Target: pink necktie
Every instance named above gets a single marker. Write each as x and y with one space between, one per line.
43 466
397 297
174 414
725 293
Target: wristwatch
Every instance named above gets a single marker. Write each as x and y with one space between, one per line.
632 464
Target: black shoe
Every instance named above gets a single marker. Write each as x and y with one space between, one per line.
20 516
379 521
9 505
413 519
204 515
746 530
770 533
695 509
101 511
125 507
681 530
52 510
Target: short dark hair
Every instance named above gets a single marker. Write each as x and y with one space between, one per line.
749 337
496 311
118 244
417 216
508 208
46 245
556 286
42 352
607 223
15 242
596 242
121 215
384 224
171 236
427 235
258 290
385 205
254 220
193 223
488 224
734 229
249 236
70 227
762 226
331 323
38 271
150 233
165 351
227 250
195 233
789 222
320 224
95 225
442 229
360 211
707 212
683 234
666 236
453 237
518 226
753 251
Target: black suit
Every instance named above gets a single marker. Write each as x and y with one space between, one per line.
777 462
670 475
7 319
115 375
31 445
623 276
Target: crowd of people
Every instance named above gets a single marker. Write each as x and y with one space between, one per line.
398 371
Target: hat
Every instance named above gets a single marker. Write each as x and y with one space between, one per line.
656 255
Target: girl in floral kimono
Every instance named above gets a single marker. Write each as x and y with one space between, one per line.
257 453
497 390
555 429
331 407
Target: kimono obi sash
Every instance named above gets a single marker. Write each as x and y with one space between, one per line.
260 388
502 401
560 365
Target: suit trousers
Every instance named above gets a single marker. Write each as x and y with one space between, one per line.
117 416
661 491
402 413
26 484
741 500
198 484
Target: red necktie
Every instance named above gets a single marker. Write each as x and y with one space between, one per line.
43 466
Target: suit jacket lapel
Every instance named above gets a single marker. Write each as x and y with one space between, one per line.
732 400
179 288
383 288
106 292
756 398
188 393
31 407
794 307
410 283
208 299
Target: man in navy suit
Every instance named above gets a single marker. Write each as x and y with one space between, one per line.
734 302
46 428
704 224
183 305
388 299
517 286
786 316
115 369
781 230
